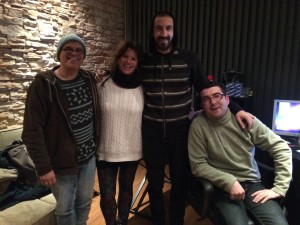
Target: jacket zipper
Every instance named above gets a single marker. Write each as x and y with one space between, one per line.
69 125
62 108
163 97
94 93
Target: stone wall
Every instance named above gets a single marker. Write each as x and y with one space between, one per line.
29 32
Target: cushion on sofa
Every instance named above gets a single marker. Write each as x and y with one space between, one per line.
30 212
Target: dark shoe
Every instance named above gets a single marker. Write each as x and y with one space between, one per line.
122 223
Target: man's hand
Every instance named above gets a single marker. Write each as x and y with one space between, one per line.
264 195
48 179
244 119
237 192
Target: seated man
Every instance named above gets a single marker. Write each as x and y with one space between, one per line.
224 154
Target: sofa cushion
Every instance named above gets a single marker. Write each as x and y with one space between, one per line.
37 212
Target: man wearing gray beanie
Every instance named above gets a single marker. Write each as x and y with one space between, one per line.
67 38
61 130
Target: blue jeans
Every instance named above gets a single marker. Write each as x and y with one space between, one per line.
74 194
229 212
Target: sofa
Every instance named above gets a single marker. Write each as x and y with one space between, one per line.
32 212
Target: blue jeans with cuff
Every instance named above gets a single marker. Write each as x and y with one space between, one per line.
74 194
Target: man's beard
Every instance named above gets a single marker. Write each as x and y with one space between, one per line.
165 45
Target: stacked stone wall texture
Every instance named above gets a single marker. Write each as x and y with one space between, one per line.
29 32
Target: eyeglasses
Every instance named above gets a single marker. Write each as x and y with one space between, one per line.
78 51
216 97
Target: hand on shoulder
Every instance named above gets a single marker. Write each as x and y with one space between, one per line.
100 74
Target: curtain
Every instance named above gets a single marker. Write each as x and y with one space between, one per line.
260 38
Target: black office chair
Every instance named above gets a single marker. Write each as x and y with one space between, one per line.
200 195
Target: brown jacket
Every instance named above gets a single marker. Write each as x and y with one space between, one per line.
47 130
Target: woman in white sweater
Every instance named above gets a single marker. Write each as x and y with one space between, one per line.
121 102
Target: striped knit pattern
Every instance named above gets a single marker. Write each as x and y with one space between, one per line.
81 111
121 111
168 91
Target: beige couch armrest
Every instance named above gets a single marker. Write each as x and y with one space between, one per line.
33 212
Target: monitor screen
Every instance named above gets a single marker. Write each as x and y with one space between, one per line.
286 117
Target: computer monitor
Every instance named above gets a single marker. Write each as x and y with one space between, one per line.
286 117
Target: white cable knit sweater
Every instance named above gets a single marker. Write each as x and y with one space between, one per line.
121 121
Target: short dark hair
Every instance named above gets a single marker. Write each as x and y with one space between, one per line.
213 84
120 51
152 46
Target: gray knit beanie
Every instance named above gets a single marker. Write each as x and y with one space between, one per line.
67 38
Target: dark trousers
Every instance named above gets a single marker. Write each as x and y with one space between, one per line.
229 212
107 175
158 152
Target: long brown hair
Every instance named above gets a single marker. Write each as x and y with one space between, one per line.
122 48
